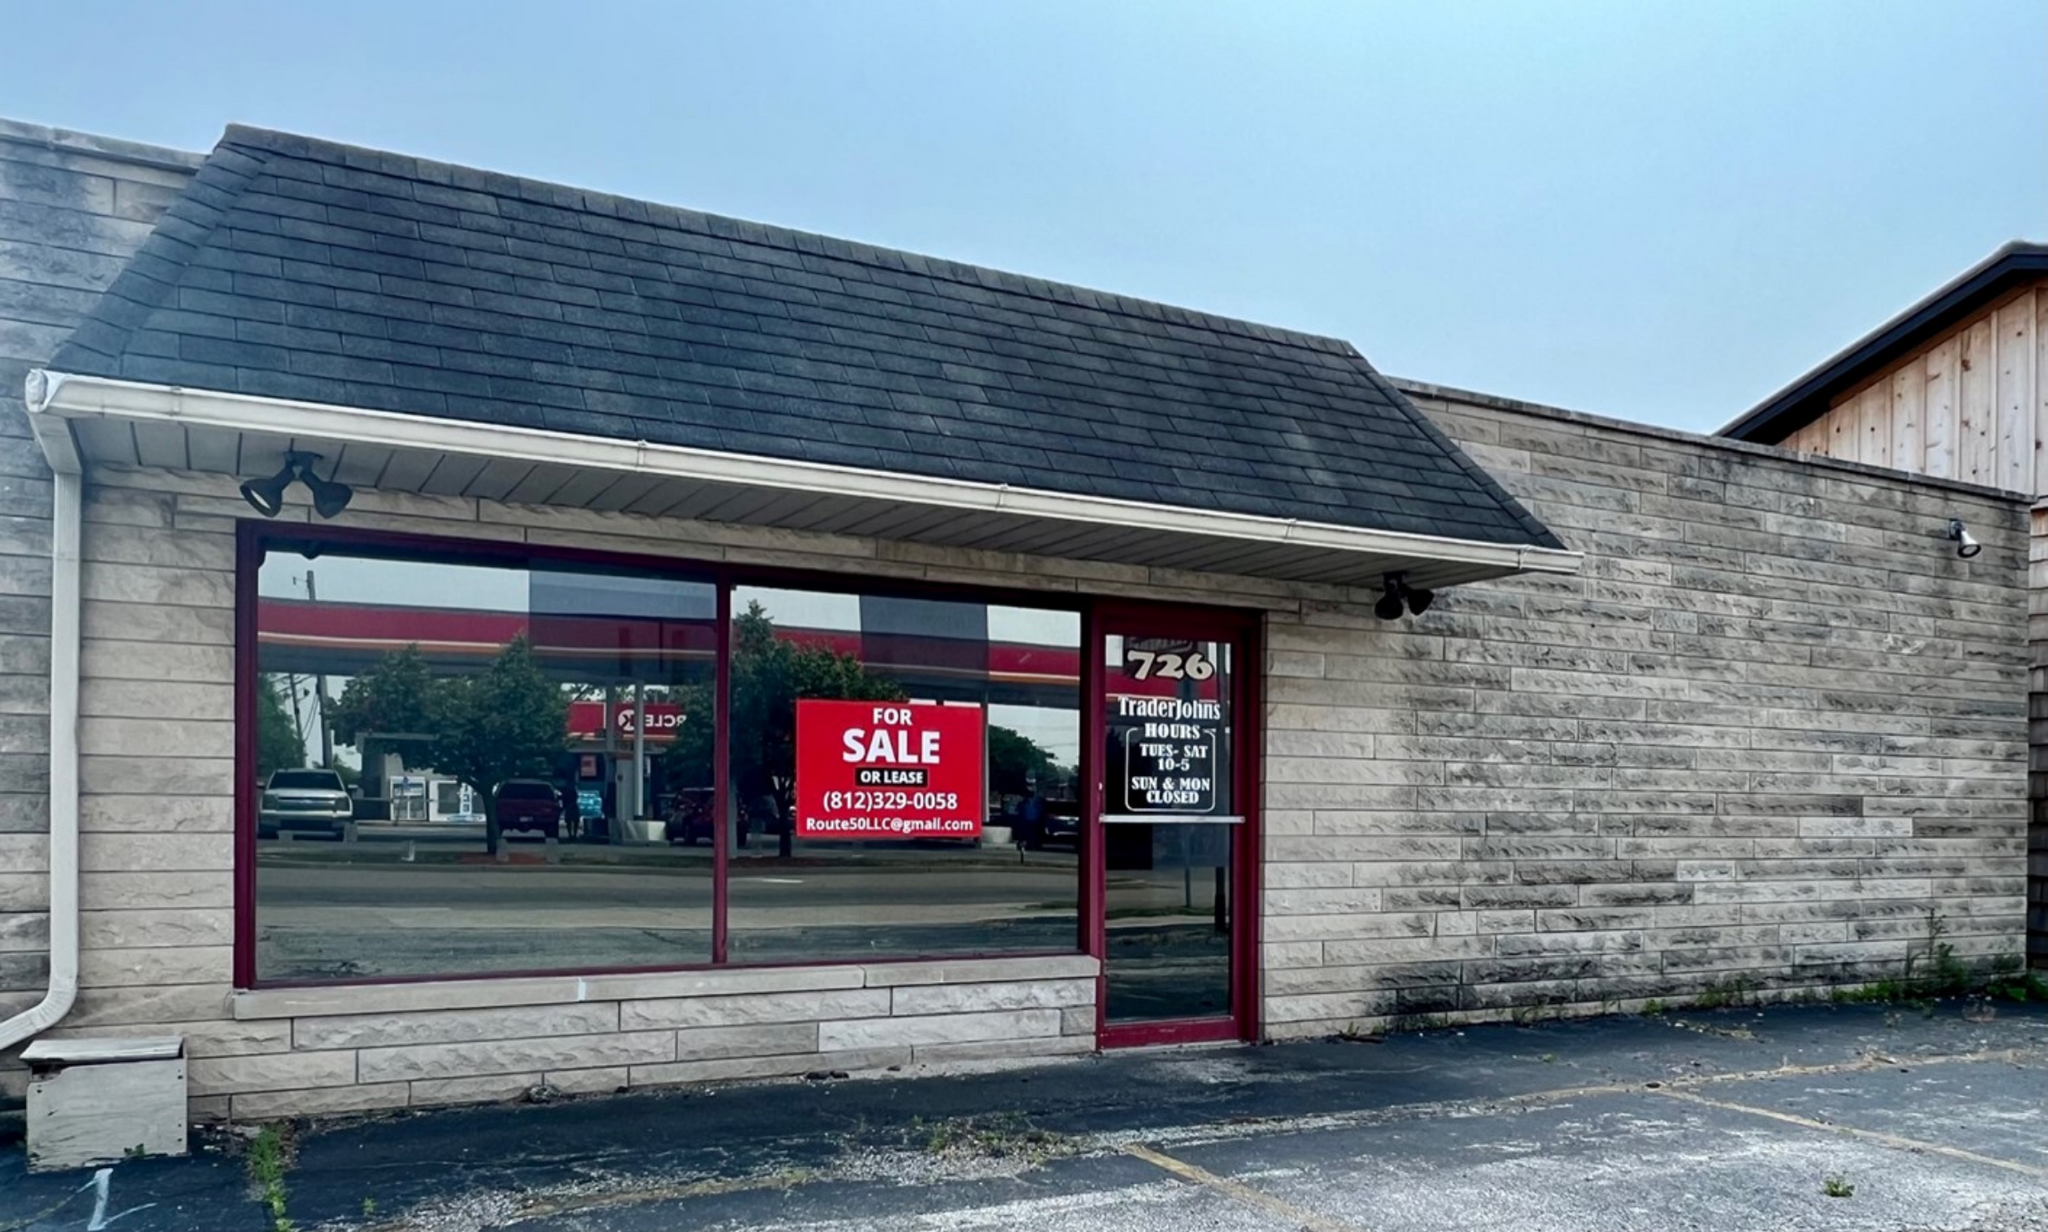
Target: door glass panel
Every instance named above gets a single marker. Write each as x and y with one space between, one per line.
1169 826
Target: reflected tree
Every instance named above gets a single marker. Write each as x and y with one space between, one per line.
769 674
1016 761
506 722
509 721
395 698
278 743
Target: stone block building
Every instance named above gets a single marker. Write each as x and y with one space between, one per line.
1044 670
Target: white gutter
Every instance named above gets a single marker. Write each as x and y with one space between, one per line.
67 508
56 396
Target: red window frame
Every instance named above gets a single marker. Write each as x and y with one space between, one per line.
254 539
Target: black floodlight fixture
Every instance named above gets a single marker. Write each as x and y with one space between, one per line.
266 496
1401 598
330 496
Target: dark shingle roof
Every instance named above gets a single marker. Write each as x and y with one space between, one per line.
296 268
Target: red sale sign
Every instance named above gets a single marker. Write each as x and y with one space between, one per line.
888 770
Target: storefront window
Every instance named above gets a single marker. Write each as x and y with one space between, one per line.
472 766
904 777
469 768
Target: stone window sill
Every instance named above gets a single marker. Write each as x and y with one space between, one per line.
315 1002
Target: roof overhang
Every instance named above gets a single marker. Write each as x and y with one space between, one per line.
84 421
1809 397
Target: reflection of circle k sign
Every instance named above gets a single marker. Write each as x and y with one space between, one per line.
595 720
658 720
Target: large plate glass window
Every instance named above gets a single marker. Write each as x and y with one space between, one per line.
465 767
904 776
469 761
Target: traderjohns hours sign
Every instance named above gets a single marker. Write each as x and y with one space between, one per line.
1169 753
888 770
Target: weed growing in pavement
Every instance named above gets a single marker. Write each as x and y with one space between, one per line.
1838 1186
266 1164
1007 1135
1933 972
1723 995
1419 1022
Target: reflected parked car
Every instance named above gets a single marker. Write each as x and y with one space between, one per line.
1058 821
689 817
304 799
529 804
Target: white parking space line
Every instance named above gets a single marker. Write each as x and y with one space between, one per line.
1296 1216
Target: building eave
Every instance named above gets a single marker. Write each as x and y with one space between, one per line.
247 435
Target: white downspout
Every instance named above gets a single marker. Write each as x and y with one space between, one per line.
66 511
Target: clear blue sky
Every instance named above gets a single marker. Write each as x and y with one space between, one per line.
1657 210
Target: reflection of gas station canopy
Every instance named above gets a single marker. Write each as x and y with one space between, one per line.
346 639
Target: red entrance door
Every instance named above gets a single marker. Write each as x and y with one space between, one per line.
1173 857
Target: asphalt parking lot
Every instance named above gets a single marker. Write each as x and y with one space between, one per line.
1812 1117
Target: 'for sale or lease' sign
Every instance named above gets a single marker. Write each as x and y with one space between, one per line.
888 770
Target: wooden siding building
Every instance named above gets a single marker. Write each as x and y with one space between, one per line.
1955 387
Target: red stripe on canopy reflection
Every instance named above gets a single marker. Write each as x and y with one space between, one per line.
344 638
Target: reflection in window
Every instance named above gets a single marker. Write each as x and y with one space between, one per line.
1010 888
467 768
462 768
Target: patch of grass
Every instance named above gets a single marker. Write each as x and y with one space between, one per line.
369 1208
1838 1186
1419 1022
267 1162
1653 1007
2009 980
1934 973
1007 1135
1724 994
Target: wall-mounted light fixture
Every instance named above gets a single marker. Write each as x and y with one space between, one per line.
266 496
1400 597
1966 543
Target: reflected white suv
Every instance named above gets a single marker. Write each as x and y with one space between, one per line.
304 799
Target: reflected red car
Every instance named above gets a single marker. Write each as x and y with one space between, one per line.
529 804
689 817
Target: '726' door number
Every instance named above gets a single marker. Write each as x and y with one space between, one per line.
1145 664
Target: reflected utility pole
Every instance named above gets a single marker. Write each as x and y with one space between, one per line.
320 694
